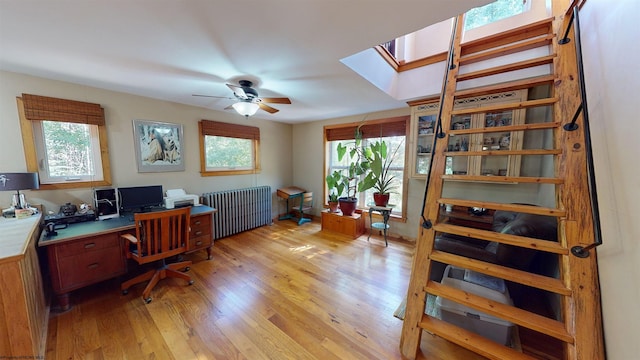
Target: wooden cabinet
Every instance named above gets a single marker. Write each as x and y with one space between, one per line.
481 133
423 128
470 133
201 233
24 313
78 263
352 226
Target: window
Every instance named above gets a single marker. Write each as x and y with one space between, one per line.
393 132
65 141
228 149
498 10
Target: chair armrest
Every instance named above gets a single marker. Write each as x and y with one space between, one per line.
130 238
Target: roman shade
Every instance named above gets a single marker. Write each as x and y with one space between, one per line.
396 126
53 109
217 128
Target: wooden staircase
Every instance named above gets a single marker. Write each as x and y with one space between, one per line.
578 326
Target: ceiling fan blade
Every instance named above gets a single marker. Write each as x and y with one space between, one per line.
212 96
279 100
268 108
229 107
239 91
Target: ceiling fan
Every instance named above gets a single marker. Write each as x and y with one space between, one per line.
248 100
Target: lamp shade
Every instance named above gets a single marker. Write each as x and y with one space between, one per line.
246 108
19 181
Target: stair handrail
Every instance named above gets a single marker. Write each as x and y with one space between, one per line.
583 251
426 223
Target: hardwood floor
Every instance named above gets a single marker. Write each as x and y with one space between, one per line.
277 292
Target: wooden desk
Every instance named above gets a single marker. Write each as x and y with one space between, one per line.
291 192
24 313
460 215
89 252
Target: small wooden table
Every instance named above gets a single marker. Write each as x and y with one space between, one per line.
291 192
385 211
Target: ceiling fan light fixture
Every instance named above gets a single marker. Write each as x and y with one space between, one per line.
245 108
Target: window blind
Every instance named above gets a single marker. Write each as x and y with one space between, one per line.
217 128
53 109
396 126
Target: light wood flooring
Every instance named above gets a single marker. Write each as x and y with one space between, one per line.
277 292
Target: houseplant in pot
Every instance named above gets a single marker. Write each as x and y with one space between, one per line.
337 183
358 165
380 176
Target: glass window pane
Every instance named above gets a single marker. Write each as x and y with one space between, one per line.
67 152
498 10
225 153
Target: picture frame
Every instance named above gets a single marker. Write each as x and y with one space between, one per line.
159 146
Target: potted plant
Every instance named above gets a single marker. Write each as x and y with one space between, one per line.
379 176
358 166
336 182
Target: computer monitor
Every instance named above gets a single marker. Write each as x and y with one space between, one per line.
140 198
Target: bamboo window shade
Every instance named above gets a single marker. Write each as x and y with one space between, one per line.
396 126
53 109
217 128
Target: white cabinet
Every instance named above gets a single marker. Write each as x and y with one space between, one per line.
423 129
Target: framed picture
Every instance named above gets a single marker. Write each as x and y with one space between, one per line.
159 146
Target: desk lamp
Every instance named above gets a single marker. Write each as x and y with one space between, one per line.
18 181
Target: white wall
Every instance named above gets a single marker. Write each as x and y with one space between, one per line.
611 56
120 110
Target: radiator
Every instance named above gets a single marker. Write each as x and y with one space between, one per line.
239 210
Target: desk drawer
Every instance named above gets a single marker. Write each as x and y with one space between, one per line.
94 243
200 226
199 242
88 267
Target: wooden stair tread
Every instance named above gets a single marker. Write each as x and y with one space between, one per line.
510 313
544 60
518 276
528 209
470 340
504 152
529 31
503 179
520 127
507 106
506 50
521 241
506 86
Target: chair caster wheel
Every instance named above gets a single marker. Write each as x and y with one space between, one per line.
191 282
187 269
147 300
125 292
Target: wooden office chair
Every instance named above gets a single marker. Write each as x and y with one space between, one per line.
159 235
306 206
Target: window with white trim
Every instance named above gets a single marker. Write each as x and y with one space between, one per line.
65 141
393 132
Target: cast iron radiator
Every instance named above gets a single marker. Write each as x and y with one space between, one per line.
239 209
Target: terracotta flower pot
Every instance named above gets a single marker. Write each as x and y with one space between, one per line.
333 206
347 205
381 199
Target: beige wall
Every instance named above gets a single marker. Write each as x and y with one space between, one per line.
610 48
120 110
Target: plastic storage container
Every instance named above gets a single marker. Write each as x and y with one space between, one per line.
491 327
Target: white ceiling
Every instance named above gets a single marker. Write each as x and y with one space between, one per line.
171 49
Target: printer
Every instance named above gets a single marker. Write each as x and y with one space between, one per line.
179 198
